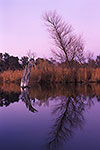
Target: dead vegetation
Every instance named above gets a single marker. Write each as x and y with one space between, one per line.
48 73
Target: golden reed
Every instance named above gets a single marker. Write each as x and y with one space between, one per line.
53 74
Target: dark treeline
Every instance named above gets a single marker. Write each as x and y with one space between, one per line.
8 62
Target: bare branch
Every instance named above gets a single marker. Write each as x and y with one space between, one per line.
69 47
31 54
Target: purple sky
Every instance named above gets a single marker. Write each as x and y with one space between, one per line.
22 27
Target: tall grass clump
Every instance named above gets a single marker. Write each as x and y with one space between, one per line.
12 76
49 73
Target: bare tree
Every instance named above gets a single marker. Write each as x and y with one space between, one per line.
69 47
89 55
31 54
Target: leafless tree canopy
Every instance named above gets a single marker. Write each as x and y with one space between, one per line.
69 47
30 54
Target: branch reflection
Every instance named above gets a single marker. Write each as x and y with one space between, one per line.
27 100
69 115
69 104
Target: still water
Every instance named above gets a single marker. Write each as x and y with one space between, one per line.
53 117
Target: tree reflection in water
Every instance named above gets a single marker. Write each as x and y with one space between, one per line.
71 102
7 98
69 115
26 98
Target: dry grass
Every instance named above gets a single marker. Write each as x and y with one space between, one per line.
88 74
11 76
54 74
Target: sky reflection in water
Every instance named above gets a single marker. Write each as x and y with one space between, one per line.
50 117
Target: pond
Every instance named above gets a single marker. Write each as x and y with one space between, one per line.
50 117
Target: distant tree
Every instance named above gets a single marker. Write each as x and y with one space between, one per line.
98 61
89 55
41 61
1 61
6 56
14 63
90 60
52 60
69 47
1 57
24 61
92 63
8 62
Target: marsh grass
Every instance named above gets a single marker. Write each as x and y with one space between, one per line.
54 74
12 76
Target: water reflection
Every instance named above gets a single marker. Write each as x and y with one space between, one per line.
6 98
69 115
69 112
27 100
70 103
45 93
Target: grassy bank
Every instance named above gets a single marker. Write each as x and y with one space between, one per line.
54 75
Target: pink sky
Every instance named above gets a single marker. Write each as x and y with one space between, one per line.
22 27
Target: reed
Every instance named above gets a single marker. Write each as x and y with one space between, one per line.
53 74
11 76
